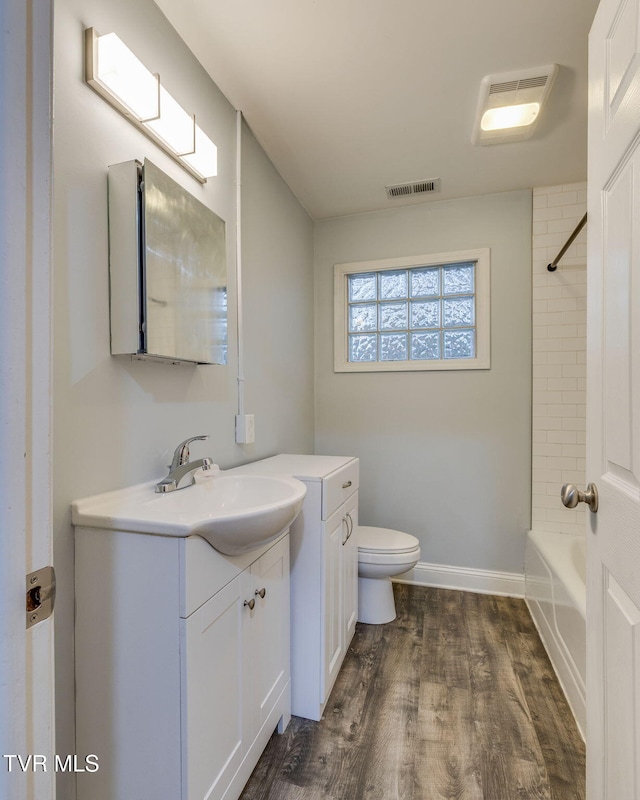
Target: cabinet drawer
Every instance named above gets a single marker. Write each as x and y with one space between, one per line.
338 486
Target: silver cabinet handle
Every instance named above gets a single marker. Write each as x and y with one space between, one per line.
345 522
261 592
346 485
351 525
571 496
251 603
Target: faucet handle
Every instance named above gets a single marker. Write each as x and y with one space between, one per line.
181 454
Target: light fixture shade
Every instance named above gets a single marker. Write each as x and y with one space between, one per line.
510 104
205 159
496 119
119 77
126 78
174 126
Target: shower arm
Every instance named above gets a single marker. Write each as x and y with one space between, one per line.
553 266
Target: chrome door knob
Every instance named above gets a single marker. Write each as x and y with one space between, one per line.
571 496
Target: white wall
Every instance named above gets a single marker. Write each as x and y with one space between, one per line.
444 455
116 422
559 356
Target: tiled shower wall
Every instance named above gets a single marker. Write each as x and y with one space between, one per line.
559 356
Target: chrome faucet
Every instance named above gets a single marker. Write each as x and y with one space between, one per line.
181 467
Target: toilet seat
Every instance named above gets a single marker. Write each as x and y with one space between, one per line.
383 553
385 541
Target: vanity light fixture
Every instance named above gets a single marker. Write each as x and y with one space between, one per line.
119 77
510 104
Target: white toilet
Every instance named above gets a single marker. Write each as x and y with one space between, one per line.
382 552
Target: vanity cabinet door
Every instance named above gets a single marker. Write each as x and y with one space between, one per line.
335 534
350 571
212 723
266 632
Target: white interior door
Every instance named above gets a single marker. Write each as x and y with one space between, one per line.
26 656
613 402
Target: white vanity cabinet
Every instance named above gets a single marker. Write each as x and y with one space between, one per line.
324 573
182 663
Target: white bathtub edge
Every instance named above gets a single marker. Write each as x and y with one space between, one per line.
573 692
549 550
465 579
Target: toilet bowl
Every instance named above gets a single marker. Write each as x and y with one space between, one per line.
382 553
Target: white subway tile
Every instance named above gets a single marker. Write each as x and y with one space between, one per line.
540 332
541 306
576 344
563 385
571 397
574 450
561 410
548 240
542 213
547 371
571 476
562 516
547 345
574 317
574 371
538 190
574 424
563 304
562 437
562 331
540 228
547 293
573 210
546 449
567 199
545 423
548 397
563 357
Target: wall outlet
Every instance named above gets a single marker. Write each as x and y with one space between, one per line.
245 429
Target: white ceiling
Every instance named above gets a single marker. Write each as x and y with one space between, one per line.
347 96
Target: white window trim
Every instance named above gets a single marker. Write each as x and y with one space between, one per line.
482 258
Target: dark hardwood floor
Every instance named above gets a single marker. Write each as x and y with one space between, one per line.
455 699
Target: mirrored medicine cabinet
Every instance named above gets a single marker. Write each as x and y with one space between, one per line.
167 269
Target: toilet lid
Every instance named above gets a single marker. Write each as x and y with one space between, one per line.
381 540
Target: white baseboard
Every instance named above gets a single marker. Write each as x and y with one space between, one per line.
464 579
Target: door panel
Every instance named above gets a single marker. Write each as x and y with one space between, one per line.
269 657
613 399
334 534
622 698
212 691
350 571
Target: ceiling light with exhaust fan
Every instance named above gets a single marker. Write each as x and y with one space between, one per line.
510 104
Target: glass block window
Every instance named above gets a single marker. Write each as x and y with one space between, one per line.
403 315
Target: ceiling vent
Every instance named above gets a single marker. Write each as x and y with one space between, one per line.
510 104
414 187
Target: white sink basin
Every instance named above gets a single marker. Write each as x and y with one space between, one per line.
233 512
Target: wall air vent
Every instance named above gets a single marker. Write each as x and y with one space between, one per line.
510 104
414 187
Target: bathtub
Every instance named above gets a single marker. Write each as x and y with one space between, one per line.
555 591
